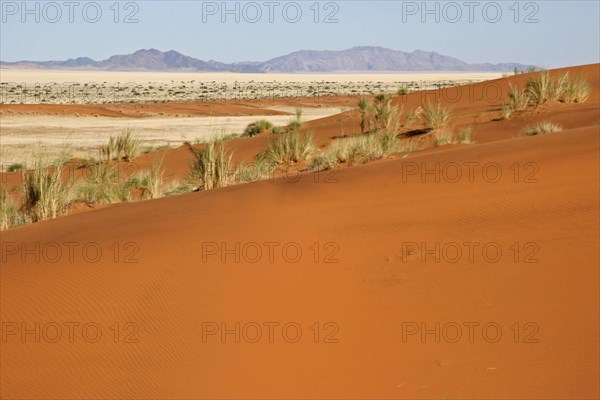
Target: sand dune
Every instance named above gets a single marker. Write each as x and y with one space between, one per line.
455 272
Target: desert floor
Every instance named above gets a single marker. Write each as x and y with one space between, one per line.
462 271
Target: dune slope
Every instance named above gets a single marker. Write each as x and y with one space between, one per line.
337 282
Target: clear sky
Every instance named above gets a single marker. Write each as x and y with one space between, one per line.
545 33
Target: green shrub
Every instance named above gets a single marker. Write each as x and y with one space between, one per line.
257 127
277 130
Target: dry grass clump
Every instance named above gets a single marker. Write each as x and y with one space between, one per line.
543 88
443 137
47 194
10 215
519 99
436 116
465 135
123 147
541 128
576 90
361 149
289 147
211 167
150 183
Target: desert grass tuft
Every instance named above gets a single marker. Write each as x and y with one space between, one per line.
506 112
151 182
123 147
290 147
543 88
576 90
10 215
542 128
519 99
465 135
442 138
211 167
47 195
436 116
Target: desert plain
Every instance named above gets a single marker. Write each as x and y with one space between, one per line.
393 255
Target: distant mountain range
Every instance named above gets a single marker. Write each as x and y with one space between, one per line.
365 58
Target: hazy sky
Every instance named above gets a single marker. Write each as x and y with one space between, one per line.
545 33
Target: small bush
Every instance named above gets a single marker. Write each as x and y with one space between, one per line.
257 127
15 167
294 125
287 148
541 129
277 130
402 90
436 116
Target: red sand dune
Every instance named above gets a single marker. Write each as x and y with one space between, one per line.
366 292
